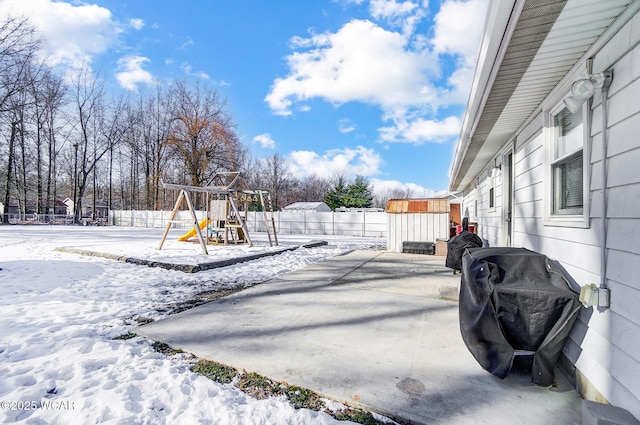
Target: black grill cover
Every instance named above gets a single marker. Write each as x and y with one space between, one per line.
456 246
513 299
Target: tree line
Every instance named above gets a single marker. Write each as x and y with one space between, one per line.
69 137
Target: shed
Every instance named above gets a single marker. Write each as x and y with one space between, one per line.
308 206
416 220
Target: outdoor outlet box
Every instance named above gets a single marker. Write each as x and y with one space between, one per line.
603 298
589 295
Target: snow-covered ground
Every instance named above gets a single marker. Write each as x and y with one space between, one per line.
60 313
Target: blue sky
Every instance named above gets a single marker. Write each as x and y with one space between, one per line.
370 87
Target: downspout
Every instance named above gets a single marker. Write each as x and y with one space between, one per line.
603 302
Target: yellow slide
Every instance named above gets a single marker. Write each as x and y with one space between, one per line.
191 233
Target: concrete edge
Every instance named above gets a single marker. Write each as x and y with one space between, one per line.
186 268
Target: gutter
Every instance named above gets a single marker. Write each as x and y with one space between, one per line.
502 18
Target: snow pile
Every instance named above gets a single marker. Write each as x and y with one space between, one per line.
60 313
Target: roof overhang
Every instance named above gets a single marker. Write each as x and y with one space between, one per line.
528 48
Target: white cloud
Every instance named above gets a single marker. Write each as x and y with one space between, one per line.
404 14
346 126
136 23
420 130
391 8
359 161
458 29
74 33
459 26
200 74
399 72
361 62
265 141
130 72
460 85
188 42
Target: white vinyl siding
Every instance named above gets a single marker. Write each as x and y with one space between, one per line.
487 217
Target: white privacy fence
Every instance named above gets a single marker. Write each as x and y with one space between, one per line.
370 224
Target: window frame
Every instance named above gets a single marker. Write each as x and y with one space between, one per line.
571 217
491 193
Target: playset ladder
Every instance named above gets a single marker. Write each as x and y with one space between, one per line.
241 222
269 224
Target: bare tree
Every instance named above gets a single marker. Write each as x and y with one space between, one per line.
54 92
97 129
312 189
47 95
87 97
250 167
23 116
18 49
381 198
156 119
183 134
202 134
277 179
7 193
114 125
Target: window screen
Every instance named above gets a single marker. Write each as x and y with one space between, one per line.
567 164
568 183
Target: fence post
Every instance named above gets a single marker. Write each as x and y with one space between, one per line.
364 223
333 223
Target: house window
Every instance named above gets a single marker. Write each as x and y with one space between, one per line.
567 169
492 193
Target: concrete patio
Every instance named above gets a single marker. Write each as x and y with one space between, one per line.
372 329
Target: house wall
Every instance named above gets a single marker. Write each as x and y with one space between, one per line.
604 345
476 208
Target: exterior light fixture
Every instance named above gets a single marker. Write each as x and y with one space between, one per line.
496 169
585 87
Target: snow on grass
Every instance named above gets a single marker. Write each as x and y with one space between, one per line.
60 313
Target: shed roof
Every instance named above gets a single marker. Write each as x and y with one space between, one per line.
306 206
415 206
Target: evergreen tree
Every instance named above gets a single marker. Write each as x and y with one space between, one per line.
356 194
336 194
359 194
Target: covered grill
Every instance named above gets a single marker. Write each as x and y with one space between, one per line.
515 302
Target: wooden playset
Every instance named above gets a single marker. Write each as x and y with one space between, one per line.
227 204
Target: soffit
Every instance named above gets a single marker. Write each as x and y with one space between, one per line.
548 40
